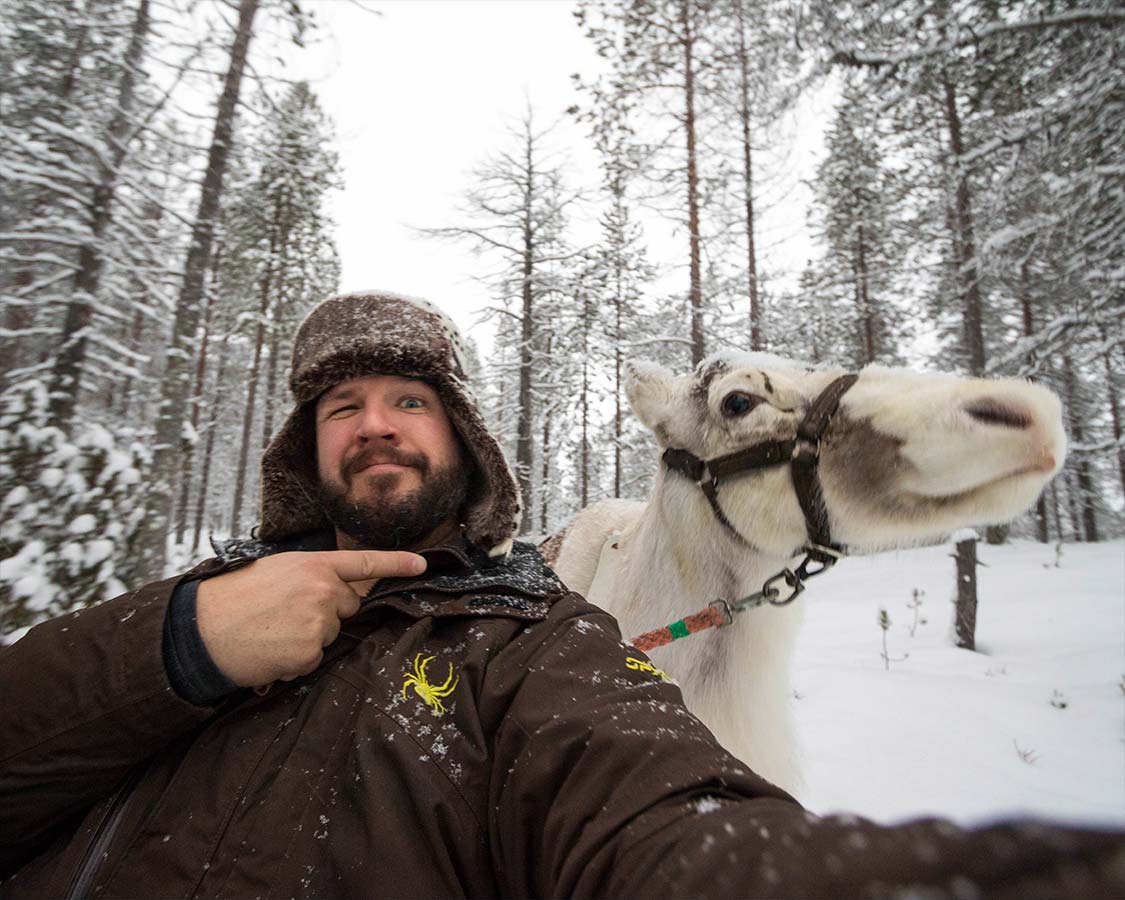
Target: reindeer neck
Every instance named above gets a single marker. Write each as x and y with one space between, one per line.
689 559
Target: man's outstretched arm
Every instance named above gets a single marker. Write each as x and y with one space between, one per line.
604 785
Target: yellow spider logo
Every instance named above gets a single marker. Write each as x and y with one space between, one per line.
431 694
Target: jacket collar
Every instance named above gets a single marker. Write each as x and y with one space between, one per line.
454 567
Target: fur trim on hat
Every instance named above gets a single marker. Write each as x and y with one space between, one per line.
356 335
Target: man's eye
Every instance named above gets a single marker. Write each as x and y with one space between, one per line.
412 403
351 407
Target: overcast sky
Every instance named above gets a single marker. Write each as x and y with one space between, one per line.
426 89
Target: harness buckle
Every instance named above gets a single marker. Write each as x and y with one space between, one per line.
805 447
826 557
792 580
725 608
818 550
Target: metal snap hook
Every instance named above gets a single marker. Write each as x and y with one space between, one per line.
772 594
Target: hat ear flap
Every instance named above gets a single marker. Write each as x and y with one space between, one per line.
290 494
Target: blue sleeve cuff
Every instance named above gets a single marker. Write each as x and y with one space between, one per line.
191 671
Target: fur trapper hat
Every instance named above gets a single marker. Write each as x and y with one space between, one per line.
369 333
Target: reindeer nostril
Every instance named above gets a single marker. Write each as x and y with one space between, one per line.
993 412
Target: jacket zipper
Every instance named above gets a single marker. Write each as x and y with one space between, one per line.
103 834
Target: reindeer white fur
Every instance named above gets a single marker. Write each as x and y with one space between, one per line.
908 457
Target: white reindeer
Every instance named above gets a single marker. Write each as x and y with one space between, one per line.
905 459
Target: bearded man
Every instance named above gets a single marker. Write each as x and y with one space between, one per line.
381 695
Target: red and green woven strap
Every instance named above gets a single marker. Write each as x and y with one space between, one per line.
708 617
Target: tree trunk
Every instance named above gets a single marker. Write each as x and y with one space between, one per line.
1059 533
209 447
252 389
74 62
864 298
545 471
1083 474
25 314
967 277
545 451
125 394
1114 408
1087 491
270 392
273 323
175 383
188 450
584 462
966 623
617 387
1041 529
527 333
756 341
695 294
67 373
974 337
1072 508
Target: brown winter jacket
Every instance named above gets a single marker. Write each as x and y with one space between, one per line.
474 732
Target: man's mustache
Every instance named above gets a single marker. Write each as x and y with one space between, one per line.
376 455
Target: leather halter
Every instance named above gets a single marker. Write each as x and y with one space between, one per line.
801 452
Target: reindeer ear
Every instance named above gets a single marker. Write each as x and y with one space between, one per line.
651 390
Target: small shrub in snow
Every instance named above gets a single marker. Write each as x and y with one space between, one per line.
884 625
915 604
69 511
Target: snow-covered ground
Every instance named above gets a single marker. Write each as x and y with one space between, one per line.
1031 723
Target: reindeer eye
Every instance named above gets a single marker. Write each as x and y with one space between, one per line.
738 403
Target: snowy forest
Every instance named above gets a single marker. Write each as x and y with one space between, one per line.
164 225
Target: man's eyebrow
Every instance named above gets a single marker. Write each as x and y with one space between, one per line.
337 393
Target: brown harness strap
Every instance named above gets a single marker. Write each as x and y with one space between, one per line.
802 452
803 455
806 457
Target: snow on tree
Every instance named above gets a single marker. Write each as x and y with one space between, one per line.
856 198
1004 109
662 54
277 228
85 181
515 211
69 512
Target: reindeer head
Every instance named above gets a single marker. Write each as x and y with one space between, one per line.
907 457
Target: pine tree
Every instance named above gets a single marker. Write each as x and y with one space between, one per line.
662 54
617 270
70 511
978 90
516 211
856 198
175 383
277 226
80 231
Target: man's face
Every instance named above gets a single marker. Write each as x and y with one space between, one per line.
390 463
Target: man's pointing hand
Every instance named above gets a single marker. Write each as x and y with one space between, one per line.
273 618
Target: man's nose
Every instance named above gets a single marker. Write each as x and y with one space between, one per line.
376 424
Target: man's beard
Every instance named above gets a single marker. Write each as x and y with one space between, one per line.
392 521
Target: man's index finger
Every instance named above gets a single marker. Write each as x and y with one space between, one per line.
363 565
